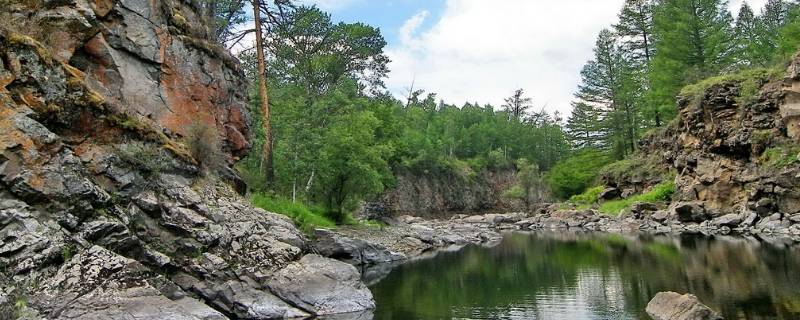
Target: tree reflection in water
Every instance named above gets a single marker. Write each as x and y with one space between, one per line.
593 276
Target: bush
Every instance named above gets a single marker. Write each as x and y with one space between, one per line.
589 196
306 217
145 157
515 192
780 156
204 144
573 175
660 192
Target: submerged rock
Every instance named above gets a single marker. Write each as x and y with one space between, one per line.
674 306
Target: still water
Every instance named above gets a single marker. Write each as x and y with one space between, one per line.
593 276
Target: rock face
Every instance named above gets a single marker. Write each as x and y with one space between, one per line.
733 153
674 306
154 60
434 195
104 210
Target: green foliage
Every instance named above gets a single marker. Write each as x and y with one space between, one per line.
638 167
590 196
306 217
515 192
573 175
694 41
780 156
67 252
660 192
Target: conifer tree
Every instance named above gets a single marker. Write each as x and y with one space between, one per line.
584 126
747 37
635 27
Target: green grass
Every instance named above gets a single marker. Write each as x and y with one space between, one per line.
750 80
660 192
780 156
306 217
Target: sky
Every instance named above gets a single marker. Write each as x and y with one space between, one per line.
482 50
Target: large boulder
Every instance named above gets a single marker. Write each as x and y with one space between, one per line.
675 306
730 220
689 212
322 286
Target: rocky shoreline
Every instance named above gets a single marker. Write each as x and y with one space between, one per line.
376 250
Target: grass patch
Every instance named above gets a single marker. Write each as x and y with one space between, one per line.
750 81
588 197
780 156
306 217
660 192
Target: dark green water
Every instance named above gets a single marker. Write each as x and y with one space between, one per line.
594 276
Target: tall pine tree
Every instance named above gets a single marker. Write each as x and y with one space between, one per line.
747 39
607 84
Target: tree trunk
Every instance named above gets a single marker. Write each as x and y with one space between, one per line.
262 92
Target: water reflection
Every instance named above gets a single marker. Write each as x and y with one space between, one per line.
593 276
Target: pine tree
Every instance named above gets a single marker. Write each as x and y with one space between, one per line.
607 83
635 27
584 126
517 105
773 18
694 42
746 33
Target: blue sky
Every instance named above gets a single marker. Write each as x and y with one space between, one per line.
482 50
388 15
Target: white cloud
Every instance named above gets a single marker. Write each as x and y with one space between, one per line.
480 51
410 27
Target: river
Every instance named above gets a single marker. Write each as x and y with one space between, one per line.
593 276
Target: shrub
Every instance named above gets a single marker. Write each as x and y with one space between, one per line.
204 144
637 167
515 192
306 217
145 157
589 196
780 156
660 192
573 175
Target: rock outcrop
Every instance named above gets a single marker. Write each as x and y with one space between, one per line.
106 209
447 194
674 306
734 152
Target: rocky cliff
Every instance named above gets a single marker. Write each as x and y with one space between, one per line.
734 149
447 194
109 208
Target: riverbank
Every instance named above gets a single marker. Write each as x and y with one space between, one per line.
407 237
